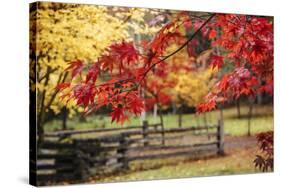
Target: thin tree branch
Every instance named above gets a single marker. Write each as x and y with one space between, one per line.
180 48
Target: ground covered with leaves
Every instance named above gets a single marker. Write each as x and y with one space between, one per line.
238 159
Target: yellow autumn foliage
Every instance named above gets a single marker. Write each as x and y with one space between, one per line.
193 82
193 86
61 33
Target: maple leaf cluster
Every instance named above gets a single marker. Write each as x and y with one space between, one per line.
265 161
126 70
115 79
248 42
232 85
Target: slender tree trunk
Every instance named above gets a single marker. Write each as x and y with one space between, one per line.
259 95
180 117
174 105
205 118
221 113
143 113
251 105
197 123
40 119
161 115
238 108
162 124
206 125
218 50
64 118
259 98
197 120
155 109
41 113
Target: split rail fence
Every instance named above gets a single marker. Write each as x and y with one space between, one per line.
63 158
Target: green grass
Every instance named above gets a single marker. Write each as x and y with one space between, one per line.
238 161
261 121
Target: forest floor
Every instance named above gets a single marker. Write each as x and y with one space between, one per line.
240 151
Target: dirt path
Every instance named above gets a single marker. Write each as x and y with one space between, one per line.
239 142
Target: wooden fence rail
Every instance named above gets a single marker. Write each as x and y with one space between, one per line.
99 130
78 159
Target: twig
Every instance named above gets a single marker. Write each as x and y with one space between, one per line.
180 48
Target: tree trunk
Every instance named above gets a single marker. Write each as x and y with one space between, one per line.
197 120
162 124
206 125
174 106
259 98
41 113
161 115
260 95
197 123
238 108
205 118
221 114
40 132
155 109
143 113
64 118
251 100
180 117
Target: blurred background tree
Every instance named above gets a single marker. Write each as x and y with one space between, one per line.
61 33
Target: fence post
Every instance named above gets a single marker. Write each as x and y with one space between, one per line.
123 147
220 137
163 134
93 159
79 162
144 132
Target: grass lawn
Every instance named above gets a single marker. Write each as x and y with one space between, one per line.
262 120
236 161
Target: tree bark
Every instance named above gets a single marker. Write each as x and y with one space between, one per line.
206 125
251 101
64 118
180 117
197 120
41 113
221 114
155 109
238 108
259 95
174 105
205 118
162 124
143 113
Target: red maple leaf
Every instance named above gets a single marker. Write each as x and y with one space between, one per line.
62 86
75 67
118 115
212 34
84 94
216 61
224 82
207 106
124 51
135 104
164 37
93 72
